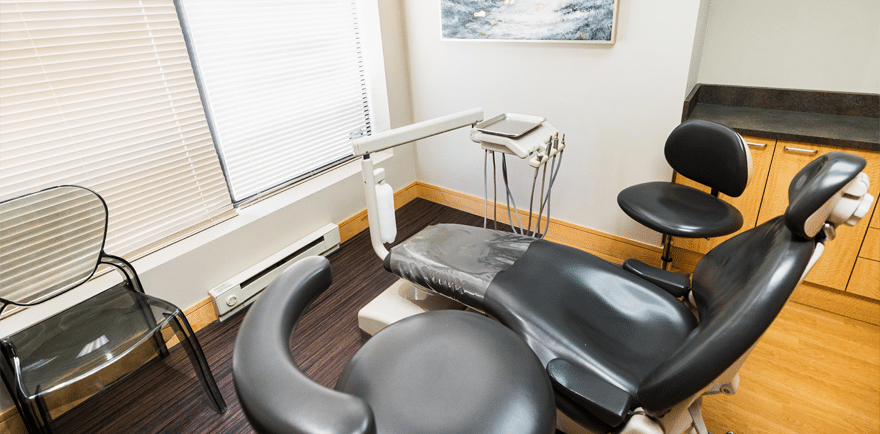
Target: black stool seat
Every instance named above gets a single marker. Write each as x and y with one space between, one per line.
451 372
679 210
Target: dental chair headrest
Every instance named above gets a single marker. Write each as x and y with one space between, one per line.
831 189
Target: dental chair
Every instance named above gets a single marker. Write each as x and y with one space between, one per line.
710 154
635 351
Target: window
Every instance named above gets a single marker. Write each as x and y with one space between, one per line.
285 84
102 94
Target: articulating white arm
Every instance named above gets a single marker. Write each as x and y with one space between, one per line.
410 133
388 139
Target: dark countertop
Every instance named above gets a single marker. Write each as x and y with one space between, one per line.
822 118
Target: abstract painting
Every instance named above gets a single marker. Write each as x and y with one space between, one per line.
530 20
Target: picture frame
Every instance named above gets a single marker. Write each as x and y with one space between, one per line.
566 21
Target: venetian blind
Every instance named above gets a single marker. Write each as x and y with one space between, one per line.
102 94
283 82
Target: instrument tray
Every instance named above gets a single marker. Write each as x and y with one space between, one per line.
510 125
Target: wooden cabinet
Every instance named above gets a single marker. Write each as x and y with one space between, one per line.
865 280
851 261
837 263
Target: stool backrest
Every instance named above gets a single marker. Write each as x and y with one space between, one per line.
710 154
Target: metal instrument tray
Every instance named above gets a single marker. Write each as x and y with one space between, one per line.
510 125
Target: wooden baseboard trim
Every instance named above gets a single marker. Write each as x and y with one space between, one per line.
609 247
11 424
838 302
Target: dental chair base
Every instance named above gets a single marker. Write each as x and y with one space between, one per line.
401 300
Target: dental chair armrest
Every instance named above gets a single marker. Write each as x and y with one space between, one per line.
670 282
275 395
606 401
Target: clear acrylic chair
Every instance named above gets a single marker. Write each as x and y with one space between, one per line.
51 242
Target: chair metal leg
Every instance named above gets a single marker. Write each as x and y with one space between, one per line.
160 344
24 411
191 344
666 257
21 403
43 410
31 420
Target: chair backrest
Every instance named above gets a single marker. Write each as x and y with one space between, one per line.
50 242
710 154
740 286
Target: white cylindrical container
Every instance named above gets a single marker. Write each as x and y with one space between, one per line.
385 204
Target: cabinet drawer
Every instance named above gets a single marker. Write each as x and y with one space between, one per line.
865 279
871 245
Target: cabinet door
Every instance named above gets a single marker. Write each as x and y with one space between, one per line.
836 265
875 222
748 203
865 278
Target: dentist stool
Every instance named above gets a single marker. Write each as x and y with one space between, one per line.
710 154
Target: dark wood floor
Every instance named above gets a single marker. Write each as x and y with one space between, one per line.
164 396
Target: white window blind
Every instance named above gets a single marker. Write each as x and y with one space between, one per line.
102 94
284 84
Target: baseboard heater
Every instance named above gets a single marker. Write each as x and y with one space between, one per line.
239 291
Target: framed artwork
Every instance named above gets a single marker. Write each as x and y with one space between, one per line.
582 21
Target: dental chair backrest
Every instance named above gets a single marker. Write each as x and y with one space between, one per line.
741 286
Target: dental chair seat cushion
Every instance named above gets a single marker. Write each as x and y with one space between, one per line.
451 372
679 210
566 303
457 261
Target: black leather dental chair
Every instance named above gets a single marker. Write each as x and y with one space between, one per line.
705 152
438 372
636 350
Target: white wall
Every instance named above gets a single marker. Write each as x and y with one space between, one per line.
795 44
616 104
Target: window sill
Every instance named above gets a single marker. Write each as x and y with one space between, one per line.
185 271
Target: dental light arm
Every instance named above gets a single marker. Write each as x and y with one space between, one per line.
389 139
410 133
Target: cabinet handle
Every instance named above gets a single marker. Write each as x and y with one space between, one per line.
803 151
757 145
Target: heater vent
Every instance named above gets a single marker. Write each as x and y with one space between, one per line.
241 290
